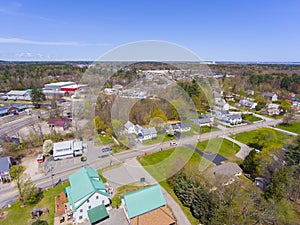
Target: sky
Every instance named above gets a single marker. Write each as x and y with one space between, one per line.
218 30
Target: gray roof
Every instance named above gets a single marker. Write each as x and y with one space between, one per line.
208 115
228 169
149 131
235 116
202 121
5 163
128 124
184 125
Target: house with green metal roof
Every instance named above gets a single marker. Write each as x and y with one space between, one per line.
87 194
147 205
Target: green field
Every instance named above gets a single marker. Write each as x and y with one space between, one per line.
221 146
248 138
292 127
20 216
250 118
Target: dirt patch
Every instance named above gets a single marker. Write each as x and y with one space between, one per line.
59 204
32 167
32 151
3 215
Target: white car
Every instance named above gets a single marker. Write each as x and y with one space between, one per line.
173 143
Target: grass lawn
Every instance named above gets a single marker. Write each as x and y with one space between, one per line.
250 118
221 146
249 138
164 164
116 200
199 130
106 139
292 127
17 215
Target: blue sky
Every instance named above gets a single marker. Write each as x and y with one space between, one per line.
215 30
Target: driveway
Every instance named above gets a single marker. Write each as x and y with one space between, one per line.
214 158
129 172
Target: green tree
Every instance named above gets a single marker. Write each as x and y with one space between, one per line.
99 124
116 125
29 190
37 96
286 83
261 102
159 113
292 153
277 188
249 164
16 174
265 137
204 205
285 105
47 147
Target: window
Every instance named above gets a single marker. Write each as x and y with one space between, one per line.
88 201
80 210
97 197
103 202
90 207
80 217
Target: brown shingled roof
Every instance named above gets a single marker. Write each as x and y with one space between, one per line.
159 216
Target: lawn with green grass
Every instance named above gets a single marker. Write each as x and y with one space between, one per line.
195 129
161 165
250 118
20 216
221 146
248 138
292 127
116 200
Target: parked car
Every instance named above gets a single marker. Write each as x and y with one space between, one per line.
173 143
106 149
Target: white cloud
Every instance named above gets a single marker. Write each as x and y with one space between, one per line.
30 42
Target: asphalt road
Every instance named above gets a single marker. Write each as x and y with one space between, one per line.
9 195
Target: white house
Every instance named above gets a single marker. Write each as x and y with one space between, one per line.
67 149
226 117
272 96
147 133
223 106
248 104
87 195
129 127
203 122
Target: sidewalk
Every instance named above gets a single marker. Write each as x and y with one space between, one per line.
285 131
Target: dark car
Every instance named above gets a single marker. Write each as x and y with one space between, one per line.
106 149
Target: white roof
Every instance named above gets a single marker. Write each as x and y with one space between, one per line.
16 92
62 148
60 84
77 145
